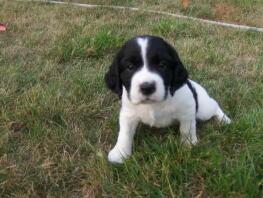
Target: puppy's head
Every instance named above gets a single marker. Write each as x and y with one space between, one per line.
148 68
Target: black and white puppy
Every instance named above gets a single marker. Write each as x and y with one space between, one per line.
154 88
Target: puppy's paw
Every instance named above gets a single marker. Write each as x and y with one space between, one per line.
117 155
226 120
188 142
223 119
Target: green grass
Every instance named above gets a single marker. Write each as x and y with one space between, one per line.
58 121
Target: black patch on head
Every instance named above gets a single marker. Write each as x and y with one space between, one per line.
162 59
127 61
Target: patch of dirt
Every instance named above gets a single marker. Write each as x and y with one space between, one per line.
185 3
17 128
91 191
224 12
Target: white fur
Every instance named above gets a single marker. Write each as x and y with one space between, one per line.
161 113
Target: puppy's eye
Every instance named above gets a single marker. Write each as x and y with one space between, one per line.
163 64
130 66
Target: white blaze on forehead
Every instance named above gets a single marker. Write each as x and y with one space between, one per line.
143 43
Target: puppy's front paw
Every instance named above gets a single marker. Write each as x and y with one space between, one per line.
117 155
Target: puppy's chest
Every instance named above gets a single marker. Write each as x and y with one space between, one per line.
157 117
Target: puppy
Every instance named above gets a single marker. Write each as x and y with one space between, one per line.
154 89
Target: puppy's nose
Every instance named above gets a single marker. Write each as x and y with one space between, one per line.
147 88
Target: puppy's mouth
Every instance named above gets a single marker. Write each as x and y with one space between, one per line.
144 101
150 100
147 101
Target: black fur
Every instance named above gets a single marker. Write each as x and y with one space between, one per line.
112 78
194 94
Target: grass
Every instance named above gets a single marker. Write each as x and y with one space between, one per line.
246 12
58 121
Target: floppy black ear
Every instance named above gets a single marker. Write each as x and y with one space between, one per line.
112 78
179 75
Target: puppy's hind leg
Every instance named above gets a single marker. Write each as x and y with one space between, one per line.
221 117
188 132
209 108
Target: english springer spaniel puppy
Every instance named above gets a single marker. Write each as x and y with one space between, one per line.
154 89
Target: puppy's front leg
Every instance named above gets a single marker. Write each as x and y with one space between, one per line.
123 147
188 132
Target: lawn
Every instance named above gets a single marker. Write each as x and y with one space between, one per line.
58 121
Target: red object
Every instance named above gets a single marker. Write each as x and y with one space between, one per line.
2 27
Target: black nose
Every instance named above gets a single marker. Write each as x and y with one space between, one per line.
147 88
